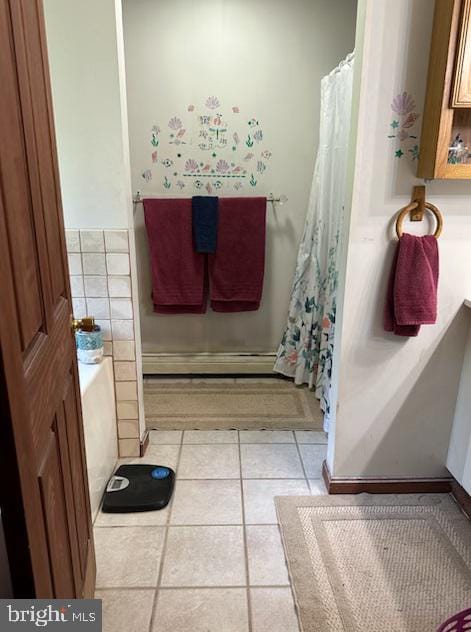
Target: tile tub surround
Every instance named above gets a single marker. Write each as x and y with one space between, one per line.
100 281
216 548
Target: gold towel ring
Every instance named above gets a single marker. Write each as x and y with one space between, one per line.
413 205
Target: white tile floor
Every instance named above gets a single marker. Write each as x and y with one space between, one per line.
212 561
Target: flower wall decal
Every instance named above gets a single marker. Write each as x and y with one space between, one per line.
403 126
410 120
403 104
212 103
175 123
222 166
191 165
202 147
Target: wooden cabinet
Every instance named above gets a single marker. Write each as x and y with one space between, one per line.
445 150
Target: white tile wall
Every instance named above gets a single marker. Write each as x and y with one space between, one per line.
124 371
105 328
73 241
122 329
126 391
127 410
101 287
75 263
116 241
119 286
79 307
98 307
92 241
117 263
76 286
121 308
95 286
93 263
124 350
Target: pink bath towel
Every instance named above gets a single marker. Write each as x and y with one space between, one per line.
412 291
178 272
236 270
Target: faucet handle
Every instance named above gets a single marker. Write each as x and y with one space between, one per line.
87 323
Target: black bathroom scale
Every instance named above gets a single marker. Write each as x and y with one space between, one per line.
138 488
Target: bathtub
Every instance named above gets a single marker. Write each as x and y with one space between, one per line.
99 422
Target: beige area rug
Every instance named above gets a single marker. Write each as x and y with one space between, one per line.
274 405
376 563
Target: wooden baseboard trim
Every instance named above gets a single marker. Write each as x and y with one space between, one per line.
385 485
144 443
462 497
207 363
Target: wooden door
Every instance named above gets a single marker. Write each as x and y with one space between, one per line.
43 489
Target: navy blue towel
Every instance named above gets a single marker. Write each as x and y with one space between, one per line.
205 223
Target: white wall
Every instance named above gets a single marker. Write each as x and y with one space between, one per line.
86 58
266 57
397 396
83 57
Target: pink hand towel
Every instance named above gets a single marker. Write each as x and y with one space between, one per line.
178 272
236 270
412 291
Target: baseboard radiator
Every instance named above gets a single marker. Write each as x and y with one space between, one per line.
208 363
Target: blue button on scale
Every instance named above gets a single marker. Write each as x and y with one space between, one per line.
160 472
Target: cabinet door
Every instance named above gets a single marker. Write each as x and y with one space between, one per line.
461 92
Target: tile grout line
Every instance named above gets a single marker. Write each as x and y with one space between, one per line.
244 533
164 544
183 524
291 585
302 462
216 443
195 587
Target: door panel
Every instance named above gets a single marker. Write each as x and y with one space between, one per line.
32 65
77 567
76 469
37 346
15 187
55 516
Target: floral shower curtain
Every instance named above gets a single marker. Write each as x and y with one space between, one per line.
306 349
